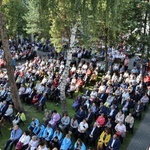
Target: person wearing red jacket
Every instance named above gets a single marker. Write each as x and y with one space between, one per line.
100 120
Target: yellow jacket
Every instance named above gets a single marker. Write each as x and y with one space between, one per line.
107 138
22 116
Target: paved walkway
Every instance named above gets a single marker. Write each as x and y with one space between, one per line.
141 139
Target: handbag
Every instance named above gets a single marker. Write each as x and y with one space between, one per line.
19 145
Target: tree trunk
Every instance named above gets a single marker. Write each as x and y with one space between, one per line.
143 46
66 71
9 67
32 37
106 41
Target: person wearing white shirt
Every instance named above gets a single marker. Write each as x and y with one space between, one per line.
109 100
102 88
119 117
121 130
82 128
44 80
145 101
33 144
129 122
126 74
71 90
8 113
42 146
41 88
73 80
93 95
125 96
21 89
114 77
23 141
73 68
27 92
1 104
65 121
85 66
2 91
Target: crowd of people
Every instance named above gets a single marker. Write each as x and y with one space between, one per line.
103 115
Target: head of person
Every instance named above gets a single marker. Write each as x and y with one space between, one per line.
55 148
121 112
34 138
101 104
84 121
66 115
115 136
107 130
48 125
74 118
79 141
33 119
121 123
42 144
10 106
26 132
130 114
20 112
16 127
89 110
68 136
54 112
58 130
56 139
4 102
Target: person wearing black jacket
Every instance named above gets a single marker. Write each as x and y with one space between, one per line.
92 135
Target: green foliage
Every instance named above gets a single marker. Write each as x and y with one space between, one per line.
135 20
14 11
96 20
32 17
37 18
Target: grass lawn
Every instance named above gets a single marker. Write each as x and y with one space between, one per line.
32 112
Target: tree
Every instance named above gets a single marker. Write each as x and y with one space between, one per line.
135 22
32 18
14 11
66 16
106 22
37 18
8 59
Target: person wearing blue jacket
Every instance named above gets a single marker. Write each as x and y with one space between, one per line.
41 131
79 145
66 143
114 143
48 133
34 123
14 137
58 134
